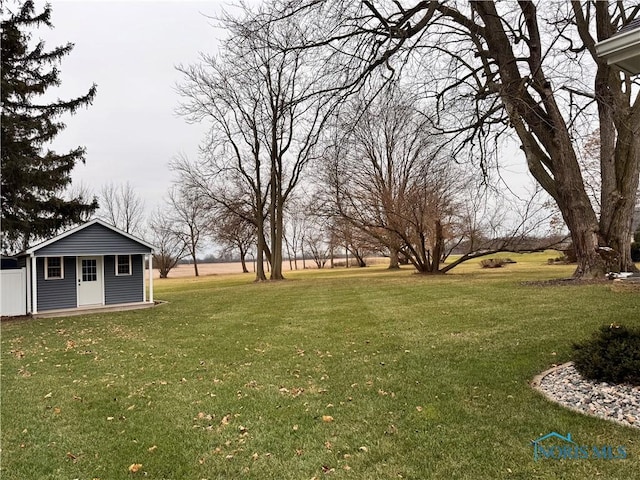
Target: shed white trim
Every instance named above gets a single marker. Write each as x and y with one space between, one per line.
34 285
622 50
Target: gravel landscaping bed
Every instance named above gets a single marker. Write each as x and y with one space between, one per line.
564 385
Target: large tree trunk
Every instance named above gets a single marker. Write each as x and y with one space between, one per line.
438 247
584 235
260 247
575 206
619 173
394 261
616 218
195 266
276 241
243 260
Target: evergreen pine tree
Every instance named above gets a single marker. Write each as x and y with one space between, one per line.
34 178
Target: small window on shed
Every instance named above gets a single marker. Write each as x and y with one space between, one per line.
53 268
123 264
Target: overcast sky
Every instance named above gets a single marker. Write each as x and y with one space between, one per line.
130 50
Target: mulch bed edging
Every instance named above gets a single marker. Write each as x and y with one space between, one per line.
537 380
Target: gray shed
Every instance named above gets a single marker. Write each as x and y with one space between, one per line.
94 265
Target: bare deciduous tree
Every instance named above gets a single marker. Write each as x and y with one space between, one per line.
317 241
295 229
234 233
169 248
265 121
388 180
121 207
189 219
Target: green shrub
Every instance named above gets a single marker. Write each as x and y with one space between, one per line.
493 263
611 355
562 260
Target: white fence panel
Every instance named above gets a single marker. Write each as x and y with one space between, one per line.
13 289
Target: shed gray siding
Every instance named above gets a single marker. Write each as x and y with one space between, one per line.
54 294
123 288
96 239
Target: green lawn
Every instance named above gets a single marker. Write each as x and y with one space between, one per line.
354 374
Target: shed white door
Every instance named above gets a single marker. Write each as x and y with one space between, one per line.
90 281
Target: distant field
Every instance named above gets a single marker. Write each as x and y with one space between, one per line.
187 270
344 373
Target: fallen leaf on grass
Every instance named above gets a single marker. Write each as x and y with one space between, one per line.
57 410
419 408
72 457
392 430
153 449
327 418
135 467
48 395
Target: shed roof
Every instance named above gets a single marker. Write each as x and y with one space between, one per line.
622 49
632 25
94 247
